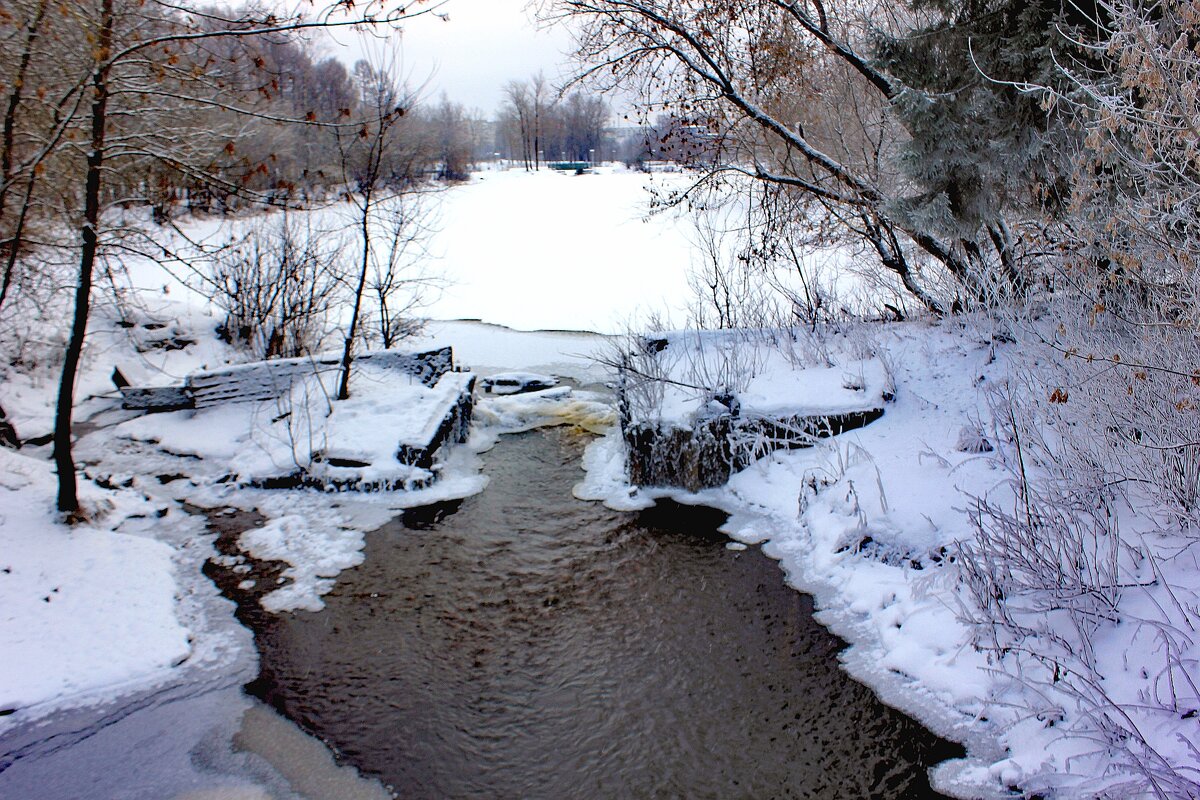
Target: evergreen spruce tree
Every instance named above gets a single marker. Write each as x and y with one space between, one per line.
989 137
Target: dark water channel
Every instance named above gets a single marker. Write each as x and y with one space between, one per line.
524 644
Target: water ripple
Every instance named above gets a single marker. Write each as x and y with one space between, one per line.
525 644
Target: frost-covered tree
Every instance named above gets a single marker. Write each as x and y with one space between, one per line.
987 143
1100 426
793 95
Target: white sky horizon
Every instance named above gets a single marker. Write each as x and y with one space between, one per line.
471 53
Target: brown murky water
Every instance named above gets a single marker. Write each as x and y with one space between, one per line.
525 644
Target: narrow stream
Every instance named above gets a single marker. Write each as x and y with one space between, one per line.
524 644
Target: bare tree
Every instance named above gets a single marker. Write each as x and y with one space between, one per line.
451 134
398 284
520 120
29 34
378 178
540 101
145 67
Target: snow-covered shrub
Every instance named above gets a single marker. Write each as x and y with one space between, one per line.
643 365
971 439
32 334
399 281
1074 587
709 366
804 345
728 278
1083 579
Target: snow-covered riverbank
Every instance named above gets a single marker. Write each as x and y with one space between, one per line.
863 522
107 616
113 619
867 522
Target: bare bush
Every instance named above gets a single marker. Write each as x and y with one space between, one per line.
398 282
722 364
1061 569
728 277
276 286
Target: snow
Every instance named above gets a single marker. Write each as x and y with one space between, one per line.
303 430
560 251
84 608
528 251
114 608
869 522
315 555
107 627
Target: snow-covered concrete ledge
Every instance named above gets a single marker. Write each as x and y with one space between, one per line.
274 425
697 407
388 436
706 454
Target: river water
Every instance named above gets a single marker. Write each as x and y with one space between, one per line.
524 644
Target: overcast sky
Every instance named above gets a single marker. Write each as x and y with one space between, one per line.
480 47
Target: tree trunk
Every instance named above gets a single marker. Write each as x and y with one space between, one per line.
348 353
68 493
13 249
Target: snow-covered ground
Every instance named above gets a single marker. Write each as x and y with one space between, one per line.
116 608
